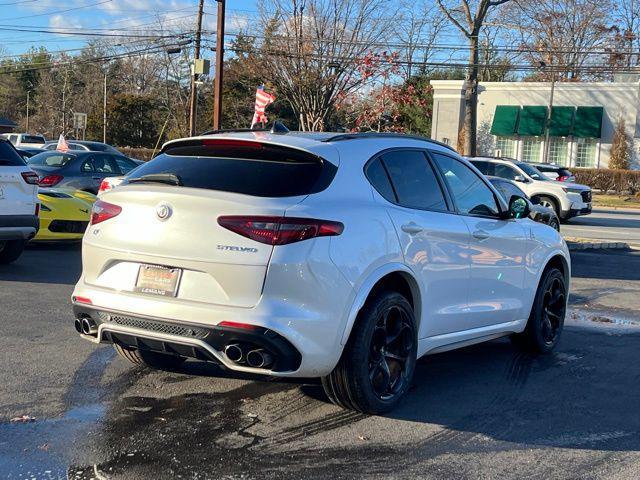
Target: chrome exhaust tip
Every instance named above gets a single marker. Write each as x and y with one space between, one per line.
234 352
259 359
77 324
89 327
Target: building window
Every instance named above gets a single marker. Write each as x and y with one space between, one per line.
506 146
586 152
559 151
531 148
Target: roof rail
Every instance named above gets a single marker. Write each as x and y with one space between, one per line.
356 135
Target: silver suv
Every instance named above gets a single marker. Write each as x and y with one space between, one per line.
567 199
18 203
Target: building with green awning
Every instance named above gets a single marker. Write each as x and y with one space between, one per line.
514 121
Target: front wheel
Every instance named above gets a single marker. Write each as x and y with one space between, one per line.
11 250
546 320
549 202
377 366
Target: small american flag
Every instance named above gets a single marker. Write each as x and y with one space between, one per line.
262 100
62 146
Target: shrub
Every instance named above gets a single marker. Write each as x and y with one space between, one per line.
138 153
606 180
620 147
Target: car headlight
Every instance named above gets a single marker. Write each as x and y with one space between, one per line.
572 190
44 208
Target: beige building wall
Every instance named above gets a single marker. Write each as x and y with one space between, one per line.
616 98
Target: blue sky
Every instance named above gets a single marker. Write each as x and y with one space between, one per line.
110 15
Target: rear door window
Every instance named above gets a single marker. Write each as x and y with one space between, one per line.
237 166
103 163
414 181
33 139
9 157
52 159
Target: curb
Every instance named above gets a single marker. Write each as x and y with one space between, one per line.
597 245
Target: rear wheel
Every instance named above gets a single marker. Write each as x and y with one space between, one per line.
546 321
377 365
11 250
150 359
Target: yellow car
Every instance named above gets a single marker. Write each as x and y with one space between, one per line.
64 214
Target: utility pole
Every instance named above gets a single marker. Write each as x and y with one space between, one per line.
545 158
104 110
217 85
28 95
194 98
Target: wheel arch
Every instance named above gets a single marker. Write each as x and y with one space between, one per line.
560 262
396 277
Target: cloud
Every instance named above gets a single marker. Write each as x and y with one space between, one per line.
64 22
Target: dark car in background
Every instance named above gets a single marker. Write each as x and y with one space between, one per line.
554 172
83 146
538 213
28 152
81 170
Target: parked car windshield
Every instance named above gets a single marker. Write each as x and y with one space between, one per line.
33 139
532 172
9 157
51 159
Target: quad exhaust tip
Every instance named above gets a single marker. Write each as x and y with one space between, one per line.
259 359
234 352
88 326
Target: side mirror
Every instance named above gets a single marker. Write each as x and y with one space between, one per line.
519 207
519 178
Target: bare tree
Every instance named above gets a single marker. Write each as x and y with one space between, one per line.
417 30
469 16
313 51
565 35
626 15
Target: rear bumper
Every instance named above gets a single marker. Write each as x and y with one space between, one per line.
191 341
18 227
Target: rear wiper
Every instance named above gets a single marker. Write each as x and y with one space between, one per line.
168 178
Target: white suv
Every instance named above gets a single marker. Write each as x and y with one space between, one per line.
567 199
343 257
25 140
18 203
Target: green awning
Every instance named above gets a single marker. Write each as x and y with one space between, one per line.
561 121
505 120
588 122
532 121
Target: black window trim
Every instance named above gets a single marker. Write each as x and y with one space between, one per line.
445 193
502 208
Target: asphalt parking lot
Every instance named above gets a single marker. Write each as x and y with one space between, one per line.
482 412
606 224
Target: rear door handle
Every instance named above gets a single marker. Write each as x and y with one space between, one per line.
480 235
411 228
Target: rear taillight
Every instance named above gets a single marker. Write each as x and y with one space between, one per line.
102 211
562 178
280 230
30 177
50 180
104 186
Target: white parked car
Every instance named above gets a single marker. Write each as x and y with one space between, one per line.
567 199
18 203
25 140
339 256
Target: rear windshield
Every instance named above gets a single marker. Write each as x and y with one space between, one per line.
32 139
251 169
9 157
533 172
51 159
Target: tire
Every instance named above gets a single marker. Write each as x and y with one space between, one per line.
546 320
11 250
555 224
377 365
549 202
156 360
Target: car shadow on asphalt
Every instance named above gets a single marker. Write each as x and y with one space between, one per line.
53 263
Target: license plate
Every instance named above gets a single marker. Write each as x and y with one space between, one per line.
158 280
